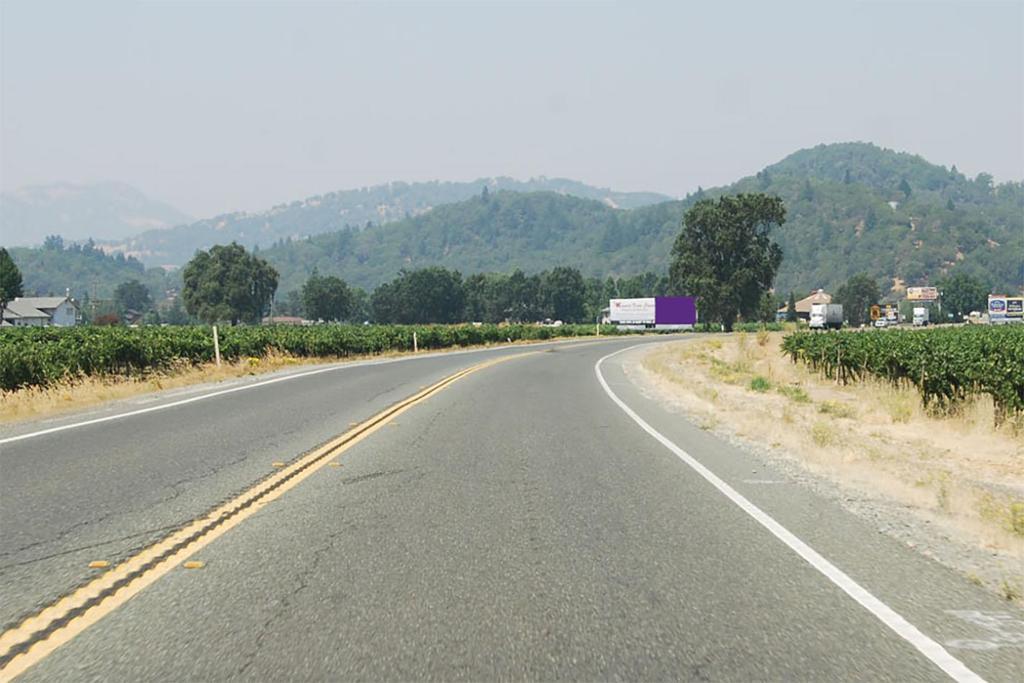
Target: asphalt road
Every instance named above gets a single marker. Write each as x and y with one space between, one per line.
518 524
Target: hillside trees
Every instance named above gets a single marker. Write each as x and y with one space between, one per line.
228 283
725 256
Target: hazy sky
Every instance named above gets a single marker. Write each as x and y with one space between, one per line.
240 105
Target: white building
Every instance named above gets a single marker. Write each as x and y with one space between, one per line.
40 311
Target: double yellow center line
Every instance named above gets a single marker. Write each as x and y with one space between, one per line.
39 635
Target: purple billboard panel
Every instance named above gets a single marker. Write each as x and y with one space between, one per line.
675 310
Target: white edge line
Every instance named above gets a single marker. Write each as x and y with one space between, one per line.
340 366
937 654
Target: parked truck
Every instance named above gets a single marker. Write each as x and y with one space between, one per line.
653 313
920 316
826 316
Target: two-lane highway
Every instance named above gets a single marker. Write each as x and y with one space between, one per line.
530 520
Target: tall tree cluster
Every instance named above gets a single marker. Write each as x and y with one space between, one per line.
229 284
725 256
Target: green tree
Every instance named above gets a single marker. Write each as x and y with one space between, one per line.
769 305
564 293
427 295
524 298
228 283
791 314
962 294
857 295
905 188
132 296
725 256
10 278
950 206
326 298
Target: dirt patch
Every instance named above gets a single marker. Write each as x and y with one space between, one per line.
949 485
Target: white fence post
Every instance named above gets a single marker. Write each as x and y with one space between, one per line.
216 345
415 344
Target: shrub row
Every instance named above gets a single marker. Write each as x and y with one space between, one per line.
38 356
945 364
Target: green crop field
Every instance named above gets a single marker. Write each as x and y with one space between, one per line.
38 356
947 365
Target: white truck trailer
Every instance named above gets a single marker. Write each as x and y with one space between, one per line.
920 316
826 316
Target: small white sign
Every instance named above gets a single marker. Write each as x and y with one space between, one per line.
626 311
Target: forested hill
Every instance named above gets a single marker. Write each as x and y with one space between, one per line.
85 270
851 208
855 207
347 208
496 232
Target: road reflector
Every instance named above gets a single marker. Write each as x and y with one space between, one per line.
392 424
193 564
353 424
334 464
99 564
277 463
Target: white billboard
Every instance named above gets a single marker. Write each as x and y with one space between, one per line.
631 311
922 294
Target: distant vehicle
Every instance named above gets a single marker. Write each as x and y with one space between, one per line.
653 313
977 318
881 322
920 316
826 316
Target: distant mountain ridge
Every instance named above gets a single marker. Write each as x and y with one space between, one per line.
346 208
851 207
80 211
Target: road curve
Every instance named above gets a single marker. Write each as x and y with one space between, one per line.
517 524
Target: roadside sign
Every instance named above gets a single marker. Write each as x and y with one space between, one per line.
922 294
632 311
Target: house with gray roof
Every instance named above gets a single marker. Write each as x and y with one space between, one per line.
40 311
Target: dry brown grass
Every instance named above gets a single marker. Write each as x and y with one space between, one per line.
873 437
87 392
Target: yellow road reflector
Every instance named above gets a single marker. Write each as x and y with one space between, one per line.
277 463
334 464
392 424
193 564
99 564
353 424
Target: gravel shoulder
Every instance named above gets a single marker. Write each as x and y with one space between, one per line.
951 487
